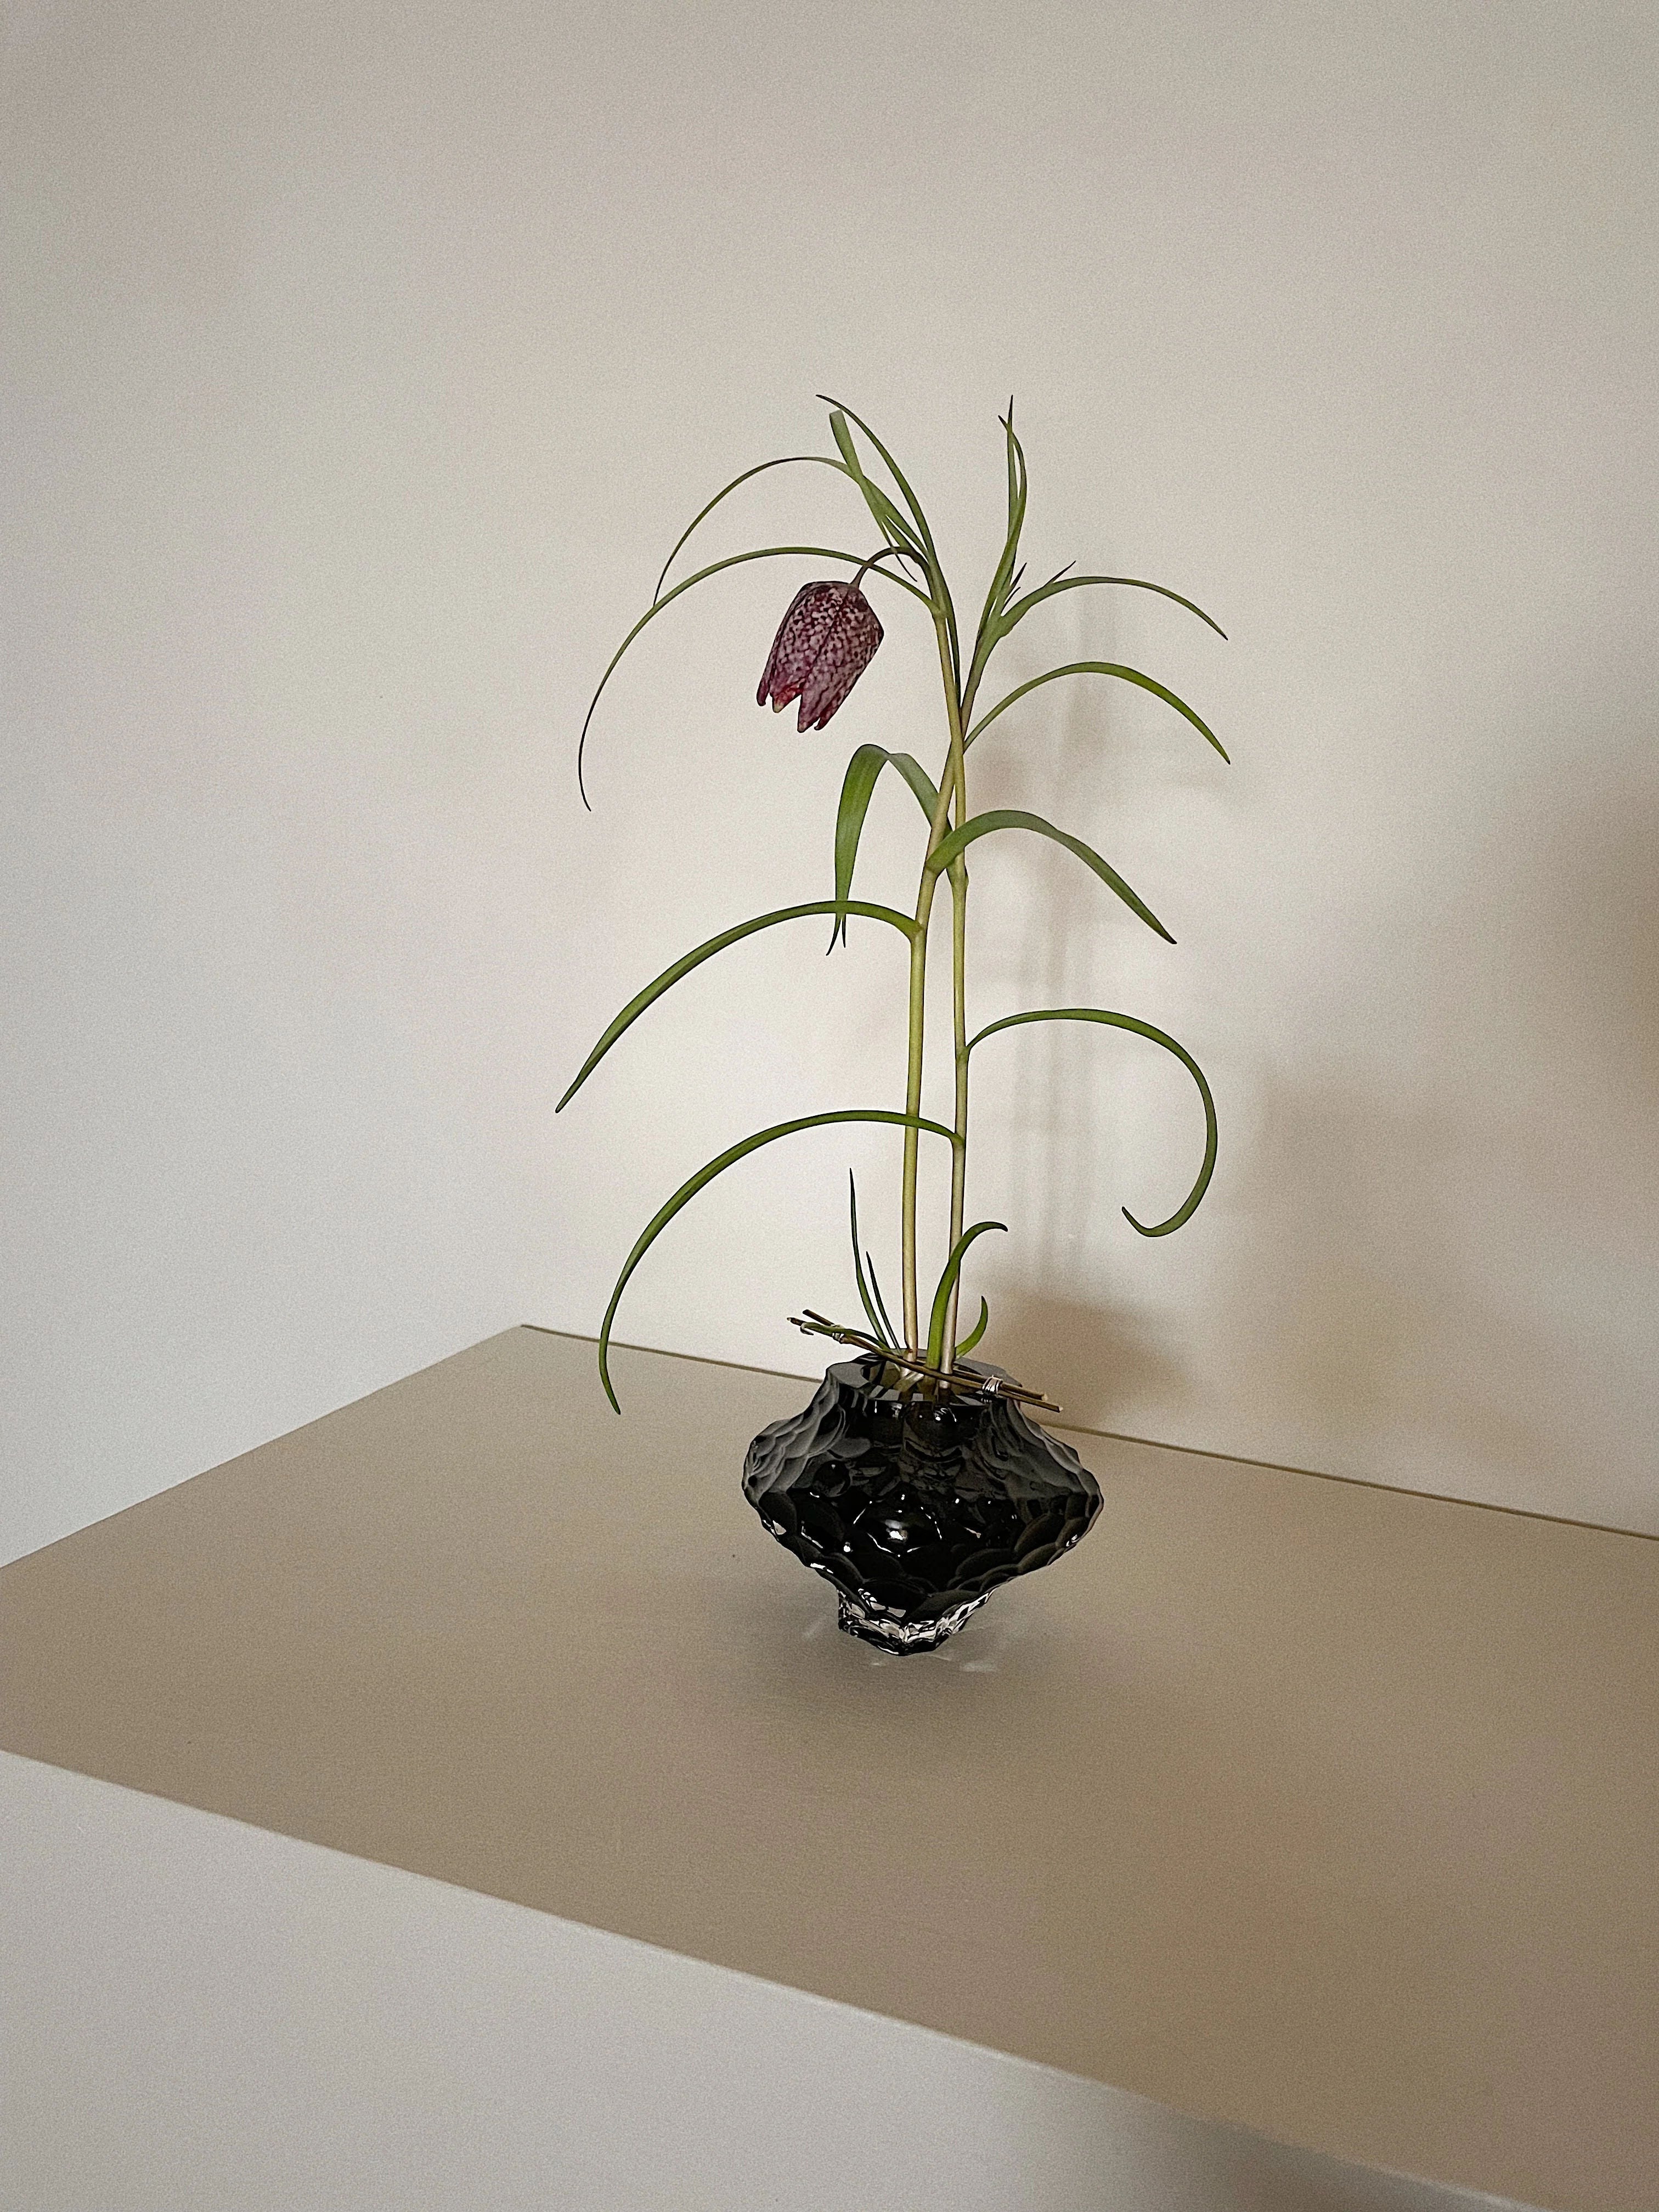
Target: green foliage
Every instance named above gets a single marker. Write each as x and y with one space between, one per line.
947 1283
706 1174
681 967
870 1296
1013 818
907 542
1098 668
733 561
1186 1211
977 1331
860 783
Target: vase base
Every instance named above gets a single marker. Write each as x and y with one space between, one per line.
888 1634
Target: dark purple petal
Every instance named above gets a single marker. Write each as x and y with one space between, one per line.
774 682
824 645
846 652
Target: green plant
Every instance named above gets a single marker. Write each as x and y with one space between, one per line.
828 637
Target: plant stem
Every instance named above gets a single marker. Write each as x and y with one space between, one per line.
917 1037
952 787
960 1038
960 708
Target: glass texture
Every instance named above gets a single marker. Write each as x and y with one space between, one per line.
916 1510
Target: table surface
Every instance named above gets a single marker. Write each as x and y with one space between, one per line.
1327 1809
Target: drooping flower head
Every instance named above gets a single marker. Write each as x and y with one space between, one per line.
824 645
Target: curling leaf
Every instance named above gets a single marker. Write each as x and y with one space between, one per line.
1185 1212
991 636
1062 582
1002 580
976 1331
947 1283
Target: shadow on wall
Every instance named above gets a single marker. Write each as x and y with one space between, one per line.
1087 756
1102 1363
1362 1307
1436 1250
1451 1275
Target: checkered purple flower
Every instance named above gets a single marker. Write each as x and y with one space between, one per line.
824 645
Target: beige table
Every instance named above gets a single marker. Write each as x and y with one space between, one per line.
1321 1808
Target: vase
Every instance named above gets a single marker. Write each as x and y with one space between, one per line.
916 1508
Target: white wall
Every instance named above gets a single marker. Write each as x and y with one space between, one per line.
362 361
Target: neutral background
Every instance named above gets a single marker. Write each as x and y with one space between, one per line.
361 362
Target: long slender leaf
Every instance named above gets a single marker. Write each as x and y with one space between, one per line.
689 1189
885 514
863 771
1002 577
785 461
1006 621
947 1283
1009 817
1100 668
733 561
864 1299
1185 1212
925 533
891 1334
649 997
976 1331
1021 608
892 466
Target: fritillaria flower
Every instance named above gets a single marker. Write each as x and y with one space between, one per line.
824 645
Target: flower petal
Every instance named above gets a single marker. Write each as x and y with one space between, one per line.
823 644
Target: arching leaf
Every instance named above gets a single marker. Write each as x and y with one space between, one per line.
715 568
784 461
1099 668
976 1331
649 997
1009 818
840 407
863 771
886 516
935 570
1016 613
689 1189
1185 1212
947 1283
1021 608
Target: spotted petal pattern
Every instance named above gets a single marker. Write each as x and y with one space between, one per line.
824 645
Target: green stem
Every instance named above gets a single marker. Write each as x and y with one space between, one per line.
916 1034
913 1105
959 708
959 1027
916 1039
952 787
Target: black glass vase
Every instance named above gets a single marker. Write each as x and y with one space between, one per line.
915 1508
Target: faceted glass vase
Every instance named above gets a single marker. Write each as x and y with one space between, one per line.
915 1508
